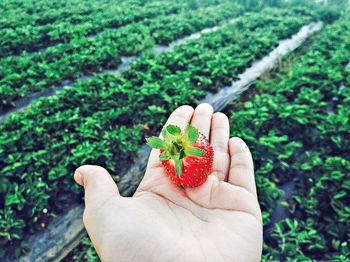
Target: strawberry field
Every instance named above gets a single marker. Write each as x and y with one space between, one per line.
294 117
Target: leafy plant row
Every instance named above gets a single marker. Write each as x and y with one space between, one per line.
102 121
176 62
15 13
42 12
296 121
22 76
96 17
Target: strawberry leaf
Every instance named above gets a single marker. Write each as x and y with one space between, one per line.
164 156
156 142
194 151
192 134
178 166
165 134
173 130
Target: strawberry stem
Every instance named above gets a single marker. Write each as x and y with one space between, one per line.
176 145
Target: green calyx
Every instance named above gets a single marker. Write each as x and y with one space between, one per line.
176 145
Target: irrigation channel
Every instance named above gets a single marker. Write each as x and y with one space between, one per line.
64 233
126 61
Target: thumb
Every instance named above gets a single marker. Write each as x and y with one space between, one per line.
98 184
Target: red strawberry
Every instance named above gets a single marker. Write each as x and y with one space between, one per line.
187 157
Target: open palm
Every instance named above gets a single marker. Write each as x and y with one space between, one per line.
217 221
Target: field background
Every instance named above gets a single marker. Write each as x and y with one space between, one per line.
83 82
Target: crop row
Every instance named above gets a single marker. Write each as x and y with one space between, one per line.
22 76
43 12
144 71
14 40
296 121
102 121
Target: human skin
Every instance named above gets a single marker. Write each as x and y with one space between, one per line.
217 221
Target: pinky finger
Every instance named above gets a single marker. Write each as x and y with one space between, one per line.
241 171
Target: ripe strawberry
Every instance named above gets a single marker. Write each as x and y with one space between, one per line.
187 157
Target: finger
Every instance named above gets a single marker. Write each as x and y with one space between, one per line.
202 118
241 171
219 136
98 184
181 118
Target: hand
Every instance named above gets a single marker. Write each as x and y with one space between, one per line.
218 221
